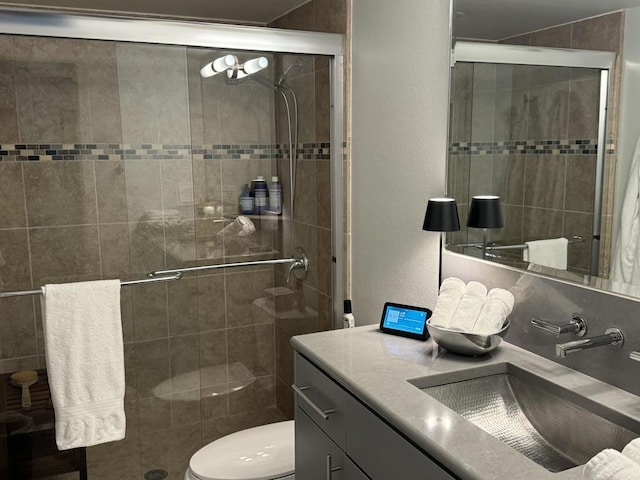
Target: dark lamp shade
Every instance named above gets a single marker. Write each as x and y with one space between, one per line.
485 212
441 215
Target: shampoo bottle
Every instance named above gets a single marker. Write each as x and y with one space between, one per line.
260 195
348 321
246 201
275 196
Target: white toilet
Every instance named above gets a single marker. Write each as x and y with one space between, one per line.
259 453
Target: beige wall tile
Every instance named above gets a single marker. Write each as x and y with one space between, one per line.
185 364
63 254
211 303
558 37
581 179
111 191
544 181
242 289
325 264
116 451
219 427
18 337
255 395
213 358
323 193
154 416
171 449
183 306
284 399
253 348
114 250
143 188
60 193
9 130
599 33
125 468
584 108
150 311
153 372
305 199
15 272
146 247
186 408
7 56
329 16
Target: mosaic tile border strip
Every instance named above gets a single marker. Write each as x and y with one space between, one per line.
523 147
150 151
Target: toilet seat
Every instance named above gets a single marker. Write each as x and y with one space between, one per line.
259 453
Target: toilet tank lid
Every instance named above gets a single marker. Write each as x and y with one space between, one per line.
259 453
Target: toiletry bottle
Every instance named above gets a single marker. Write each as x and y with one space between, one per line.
275 196
347 318
260 195
246 201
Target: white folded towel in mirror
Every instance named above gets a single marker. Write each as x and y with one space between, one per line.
551 252
494 313
451 292
632 450
610 464
469 307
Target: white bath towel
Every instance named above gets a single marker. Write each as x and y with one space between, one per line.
469 307
610 464
495 311
451 292
551 252
85 361
632 450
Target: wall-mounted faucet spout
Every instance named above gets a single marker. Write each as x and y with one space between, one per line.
612 336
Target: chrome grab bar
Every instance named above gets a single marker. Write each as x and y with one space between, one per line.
324 414
576 325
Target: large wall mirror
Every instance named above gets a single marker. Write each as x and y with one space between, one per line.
545 116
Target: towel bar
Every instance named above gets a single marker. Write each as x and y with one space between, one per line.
166 278
573 239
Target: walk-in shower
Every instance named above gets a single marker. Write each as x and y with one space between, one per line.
108 172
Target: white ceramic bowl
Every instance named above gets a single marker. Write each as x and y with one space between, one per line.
463 343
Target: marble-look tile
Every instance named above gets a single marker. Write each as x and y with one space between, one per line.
185 363
253 347
323 193
15 271
544 181
512 77
480 175
183 306
304 86
214 401
111 191
153 371
150 311
599 33
171 449
548 111
114 451
130 373
541 223
246 113
213 358
219 427
483 113
186 408
146 247
584 108
256 395
60 193
211 303
299 19
284 399
7 54
114 250
557 37
63 254
154 416
508 178
329 16
207 185
17 322
511 233
581 224
241 291
580 183
322 102
9 130
126 314
324 258
125 468
143 189
16 364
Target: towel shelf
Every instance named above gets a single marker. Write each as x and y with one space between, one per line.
166 278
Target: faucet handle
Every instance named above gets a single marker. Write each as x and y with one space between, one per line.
576 325
634 356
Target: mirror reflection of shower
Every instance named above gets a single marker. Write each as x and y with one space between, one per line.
238 73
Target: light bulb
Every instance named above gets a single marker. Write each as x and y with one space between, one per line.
218 65
255 65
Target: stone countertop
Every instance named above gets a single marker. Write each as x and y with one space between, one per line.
375 368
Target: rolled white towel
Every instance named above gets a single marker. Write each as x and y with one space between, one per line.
451 292
632 450
610 464
469 307
495 311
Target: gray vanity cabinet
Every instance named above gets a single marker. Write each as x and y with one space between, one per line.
339 438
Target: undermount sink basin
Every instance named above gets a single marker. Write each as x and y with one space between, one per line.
551 425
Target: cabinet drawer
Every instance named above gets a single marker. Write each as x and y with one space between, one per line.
317 457
321 399
381 452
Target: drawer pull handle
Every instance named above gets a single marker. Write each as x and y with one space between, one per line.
323 413
331 469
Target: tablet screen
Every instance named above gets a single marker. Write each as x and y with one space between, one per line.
405 319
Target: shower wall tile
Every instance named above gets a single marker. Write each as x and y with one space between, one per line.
186 408
255 395
544 181
9 130
329 16
599 33
183 306
219 427
114 250
305 237
185 364
578 254
510 77
236 127
18 337
196 59
211 303
15 271
252 348
480 170
149 311
153 374
146 243
130 375
508 178
7 55
64 254
213 358
154 107
299 19
557 37
285 399
111 191
548 111
177 188
241 290
214 403
581 179
60 193
322 105
305 198
143 182
126 468
305 88
325 264
116 451
583 108
154 415
171 449
12 365
541 223
207 185
323 193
